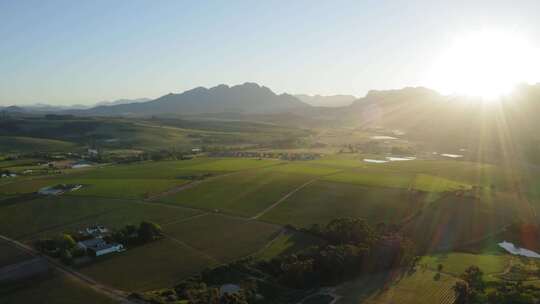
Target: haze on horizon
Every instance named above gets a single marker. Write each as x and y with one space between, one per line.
67 52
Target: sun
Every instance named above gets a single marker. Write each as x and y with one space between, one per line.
486 64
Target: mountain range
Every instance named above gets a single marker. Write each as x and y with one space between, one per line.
247 98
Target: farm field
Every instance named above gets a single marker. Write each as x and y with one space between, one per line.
305 168
221 237
407 290
9 254
455 263
244 193
58 287
454 221
155 265
381 177
135 180
322 201
51 215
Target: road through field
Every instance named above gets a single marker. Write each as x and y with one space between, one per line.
112 293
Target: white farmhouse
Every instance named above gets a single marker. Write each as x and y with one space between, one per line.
99 246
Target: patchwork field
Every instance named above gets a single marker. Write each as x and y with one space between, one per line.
51 215
214 220
244 193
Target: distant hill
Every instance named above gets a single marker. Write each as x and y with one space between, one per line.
121 101
245 98
326 101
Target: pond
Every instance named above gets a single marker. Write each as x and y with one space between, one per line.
375 161
511 248
452 155
382 137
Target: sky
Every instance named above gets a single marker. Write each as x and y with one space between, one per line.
82 52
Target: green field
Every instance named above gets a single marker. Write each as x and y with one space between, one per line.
223 238
244 193
454 222
455 263
382 177
322 201
52 215
155 265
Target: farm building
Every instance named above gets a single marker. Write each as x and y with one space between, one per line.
99 246
58 189
96 230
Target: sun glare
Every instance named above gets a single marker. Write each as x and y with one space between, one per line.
486 64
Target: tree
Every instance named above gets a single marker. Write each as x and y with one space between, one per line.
349 231
149 231
65 242
66 257
462 292
473 276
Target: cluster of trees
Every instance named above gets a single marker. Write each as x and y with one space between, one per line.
352 248
349 247
472 289
195 291
62 246
132 235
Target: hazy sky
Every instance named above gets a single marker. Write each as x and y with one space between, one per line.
68 52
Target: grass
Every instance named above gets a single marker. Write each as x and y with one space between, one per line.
245 193
58 289
322 201
155 265
455 263
10 254
221 237
52 215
